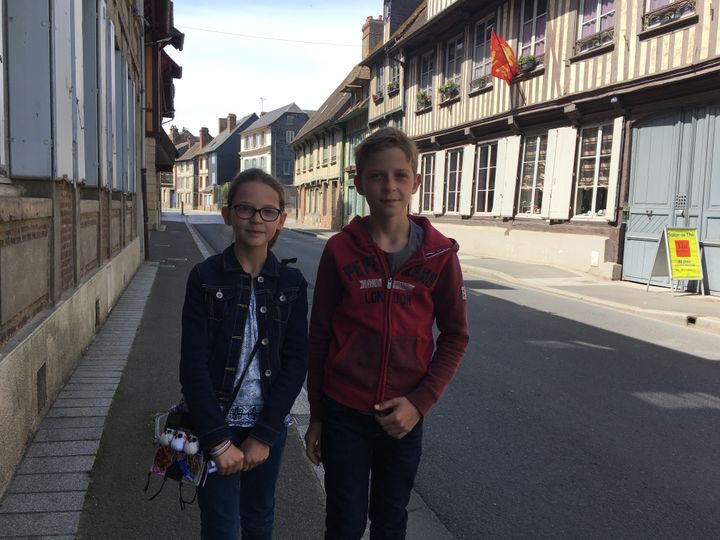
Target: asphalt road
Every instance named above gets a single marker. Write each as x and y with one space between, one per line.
567 420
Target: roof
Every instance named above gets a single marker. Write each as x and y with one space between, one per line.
270 117
335 105
416 20
192 152
218 141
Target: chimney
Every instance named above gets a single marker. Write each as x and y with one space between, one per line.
372 34
222 124
262 113
204 137
174 135
231 121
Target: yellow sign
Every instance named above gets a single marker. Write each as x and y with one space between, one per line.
683 253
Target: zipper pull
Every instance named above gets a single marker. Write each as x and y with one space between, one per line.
389 283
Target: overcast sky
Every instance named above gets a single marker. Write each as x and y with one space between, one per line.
225 73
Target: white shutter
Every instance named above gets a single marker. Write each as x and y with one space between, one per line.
103 126
506 175
615 161
3 125
79 101
559 179
466 181
439 196
62 89
113 103
415 201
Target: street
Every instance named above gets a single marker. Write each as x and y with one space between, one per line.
566 419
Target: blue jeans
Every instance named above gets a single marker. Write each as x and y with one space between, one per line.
245 500
354 448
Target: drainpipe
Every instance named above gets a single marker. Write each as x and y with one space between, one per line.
342 175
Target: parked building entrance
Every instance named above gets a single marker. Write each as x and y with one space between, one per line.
675 182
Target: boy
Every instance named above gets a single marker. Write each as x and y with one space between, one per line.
373 374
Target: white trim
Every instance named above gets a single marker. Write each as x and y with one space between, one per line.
4 165
466 179
458 61
506 175
439 197
614 174
559 175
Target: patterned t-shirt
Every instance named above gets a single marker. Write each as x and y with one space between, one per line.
248 403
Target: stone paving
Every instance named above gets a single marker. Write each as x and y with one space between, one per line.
46 496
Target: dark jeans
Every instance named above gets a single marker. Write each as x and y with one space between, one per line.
243 499
354 447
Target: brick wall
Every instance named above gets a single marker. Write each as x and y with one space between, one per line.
65 200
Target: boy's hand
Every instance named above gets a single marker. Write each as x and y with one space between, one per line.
397 416
256 453
230 461
312 442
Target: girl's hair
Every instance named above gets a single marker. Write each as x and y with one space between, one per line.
256 175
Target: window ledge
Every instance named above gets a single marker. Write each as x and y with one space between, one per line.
597 51
450 100
480 90
671 18
393 92
539 70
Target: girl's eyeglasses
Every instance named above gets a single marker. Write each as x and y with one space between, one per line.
268 213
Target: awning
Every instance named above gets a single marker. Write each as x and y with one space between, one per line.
165 152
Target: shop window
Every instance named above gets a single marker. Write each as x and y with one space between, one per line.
593 171
427 187
485 177
453 173
532 176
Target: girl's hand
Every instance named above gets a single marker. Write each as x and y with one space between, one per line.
397 416
256 453
312 442
231 461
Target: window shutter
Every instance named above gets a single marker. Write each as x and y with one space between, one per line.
615 160
439 196
79 87
506 175
29 97
466 180
562 144
3 122
415 201
62 89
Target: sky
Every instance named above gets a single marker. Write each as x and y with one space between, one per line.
225 73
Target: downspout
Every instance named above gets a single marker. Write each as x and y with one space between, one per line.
342 175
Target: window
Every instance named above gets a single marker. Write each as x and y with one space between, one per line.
323 150
379 79
532 177
596 16
333 148
662 12
532 29
481 49
427 67
453 174
454 53
262 138
262 163
427 186
593 171
289 135
394 82
485 187
287 168
289 118
254 162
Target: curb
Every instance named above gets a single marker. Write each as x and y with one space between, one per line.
689 320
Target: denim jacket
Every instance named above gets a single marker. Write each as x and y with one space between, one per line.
213 320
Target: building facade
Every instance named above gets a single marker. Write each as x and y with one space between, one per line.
72 139
605 137
266 144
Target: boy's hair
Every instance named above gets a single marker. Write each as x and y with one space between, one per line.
382 139
256 175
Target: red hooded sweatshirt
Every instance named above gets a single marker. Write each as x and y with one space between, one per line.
371 334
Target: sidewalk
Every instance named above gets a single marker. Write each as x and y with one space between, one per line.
686 309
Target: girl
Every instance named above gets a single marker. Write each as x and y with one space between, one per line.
244 323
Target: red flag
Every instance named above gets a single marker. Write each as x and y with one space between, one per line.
503 63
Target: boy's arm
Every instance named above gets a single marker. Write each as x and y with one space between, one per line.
328 291
451 317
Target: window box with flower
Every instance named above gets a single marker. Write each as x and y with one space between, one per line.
378 97
393 87
422 100
449 89
527 63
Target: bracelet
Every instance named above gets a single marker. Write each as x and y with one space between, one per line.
221 449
